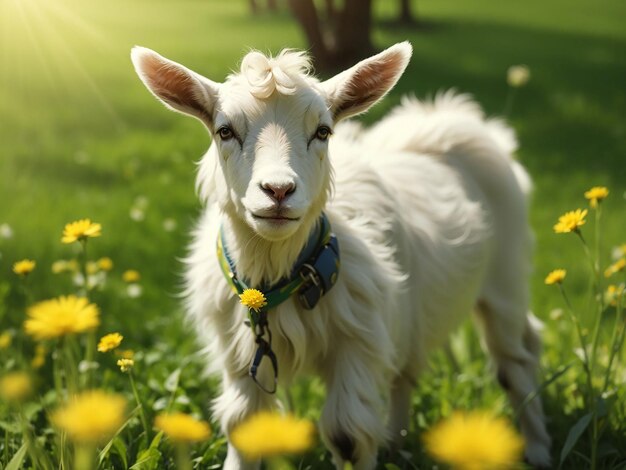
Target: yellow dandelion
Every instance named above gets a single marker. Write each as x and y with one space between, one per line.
109 342
474 441
61 316
131 276
613 294
556 277
91 417
125 354
105 264
616 267
24 268
571 221
60 266
253 299
40 357
125 365
5 339
81 230
289 435
181 427
596 195
16 386
92 267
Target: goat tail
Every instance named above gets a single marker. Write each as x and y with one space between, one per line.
448 124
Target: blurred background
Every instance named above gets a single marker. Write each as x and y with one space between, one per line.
81 137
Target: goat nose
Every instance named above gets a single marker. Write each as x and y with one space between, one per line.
278 191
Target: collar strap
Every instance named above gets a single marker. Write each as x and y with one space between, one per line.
314 273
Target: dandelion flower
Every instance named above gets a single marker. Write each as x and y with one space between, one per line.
125 353
105 264
125 364
571 221
109 342
556 277
474 441
131 276
80 230
91 417
289 435
616 267
24 268
5 340
596 195
181 427
253 299
613 294
61 316
16 386
518 75
40 357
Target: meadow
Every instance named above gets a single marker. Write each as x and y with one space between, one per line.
81 138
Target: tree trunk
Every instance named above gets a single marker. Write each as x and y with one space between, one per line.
352 32
306 14
254 8
272 5
406 15
349 35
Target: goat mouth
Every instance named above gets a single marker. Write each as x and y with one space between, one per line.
275 218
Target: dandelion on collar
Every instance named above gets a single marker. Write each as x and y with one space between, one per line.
595 195
555 277
571 221
81 230
110 342
253 299
24 267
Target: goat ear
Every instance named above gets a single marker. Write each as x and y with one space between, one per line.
178 87
353 91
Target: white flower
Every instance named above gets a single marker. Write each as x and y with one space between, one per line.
518 76
6 231
137 214
169 225
134 290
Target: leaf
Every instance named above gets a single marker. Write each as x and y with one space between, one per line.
171 383
531 396
12 428
106 449
120 449
574 434
391 466
18 459
149 458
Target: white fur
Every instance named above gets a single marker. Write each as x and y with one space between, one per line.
430 212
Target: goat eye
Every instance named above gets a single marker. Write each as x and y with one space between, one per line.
323 133
225 133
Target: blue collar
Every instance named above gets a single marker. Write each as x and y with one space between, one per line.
313 275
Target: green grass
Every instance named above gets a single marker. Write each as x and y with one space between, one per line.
81 137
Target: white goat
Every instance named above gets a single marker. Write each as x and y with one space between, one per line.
430 213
